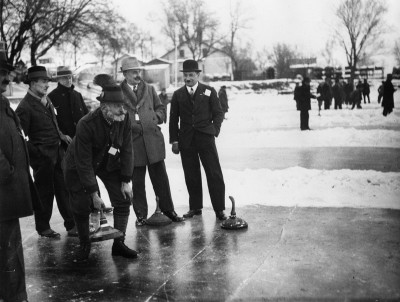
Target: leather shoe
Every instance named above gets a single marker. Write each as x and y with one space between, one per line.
120 249
141 221
49 234
173 216
191 213
221 215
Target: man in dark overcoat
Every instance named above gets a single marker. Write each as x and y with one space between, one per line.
366 91
38 120
338 94
102 147
18 195
68 102
195 120
388 91
146 112
304 102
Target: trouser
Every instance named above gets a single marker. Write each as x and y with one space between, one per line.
365 96
304 117
49 182
327 104
338 104
159 179
12 268
202 148
81 201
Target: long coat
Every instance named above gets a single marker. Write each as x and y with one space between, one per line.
70 108
204 114
147 138
304 98
40 125
18 195
388 100
223 99
89 151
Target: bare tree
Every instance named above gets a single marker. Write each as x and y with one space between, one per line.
263 59
41 24
361 25
282 57
193 23
327 53
238 21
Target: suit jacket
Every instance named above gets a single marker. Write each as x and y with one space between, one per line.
40 125
70 108
204 114
147 138
18 195
88 152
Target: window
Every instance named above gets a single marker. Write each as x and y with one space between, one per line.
181 53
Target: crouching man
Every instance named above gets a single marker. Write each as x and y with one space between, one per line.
101 147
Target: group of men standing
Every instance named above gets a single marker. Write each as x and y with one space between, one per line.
341 92
69 147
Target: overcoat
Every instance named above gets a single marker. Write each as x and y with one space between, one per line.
70 108
204 114
388 100
146 112
41 128
304 98
89 152
18 195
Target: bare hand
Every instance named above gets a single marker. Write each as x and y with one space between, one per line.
98 203
67 139
126 190
175 148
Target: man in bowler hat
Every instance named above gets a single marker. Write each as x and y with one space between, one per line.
102 147
18 195
39 122
146 112
195 120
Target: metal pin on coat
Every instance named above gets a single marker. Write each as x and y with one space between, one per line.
105 231
158 218
233 222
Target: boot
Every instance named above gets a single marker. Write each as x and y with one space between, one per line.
82 255
120 249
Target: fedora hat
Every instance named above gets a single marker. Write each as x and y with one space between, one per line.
4 65
190 65
63 71
111 94
36 72
129 63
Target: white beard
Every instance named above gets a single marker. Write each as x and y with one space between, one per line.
111 116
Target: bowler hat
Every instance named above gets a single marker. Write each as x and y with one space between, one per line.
129 63
111 94
63 71
190 65
4 65
36 72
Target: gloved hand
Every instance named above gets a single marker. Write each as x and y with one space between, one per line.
175 148
126 190
98 203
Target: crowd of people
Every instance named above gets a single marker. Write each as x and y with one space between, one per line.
342 92
70 148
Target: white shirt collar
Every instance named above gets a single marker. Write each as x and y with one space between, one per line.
194 88
132 86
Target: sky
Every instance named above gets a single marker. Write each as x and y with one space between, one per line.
307 24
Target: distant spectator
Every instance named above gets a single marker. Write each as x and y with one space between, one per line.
380 92
298 80
355 97
348 89
223 99
164 99
325 91
304 103
338 93
388 90
365 91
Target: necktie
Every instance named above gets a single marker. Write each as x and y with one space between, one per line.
135 88
44 101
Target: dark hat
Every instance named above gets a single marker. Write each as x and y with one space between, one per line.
4 65
36 72
190 65
306 80
111 94
63 71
